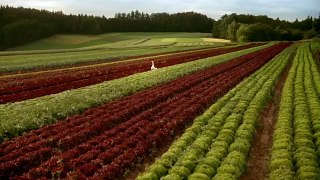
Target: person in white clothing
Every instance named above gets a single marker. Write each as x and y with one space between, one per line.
153 67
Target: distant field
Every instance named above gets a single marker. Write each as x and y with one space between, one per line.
113 40
62 50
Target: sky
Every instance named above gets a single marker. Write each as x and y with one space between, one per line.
284 9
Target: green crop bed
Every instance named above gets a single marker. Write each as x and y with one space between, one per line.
16 118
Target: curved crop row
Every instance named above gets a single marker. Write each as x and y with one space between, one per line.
315 66
296 140
105 141
18 89
217 144
315 47
35 60
19 117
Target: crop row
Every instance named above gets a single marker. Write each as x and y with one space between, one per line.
296 140
107 140
12 62
216 146
315 48
20 117
82 67
44 84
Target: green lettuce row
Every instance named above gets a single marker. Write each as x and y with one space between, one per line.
304 116
17 118
219 124
192 143
314 69
30 60
223 136
281 163
196 158
312 85
180 147
235 163
315 47
294 153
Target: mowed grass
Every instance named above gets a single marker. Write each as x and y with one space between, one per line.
114 40
61 50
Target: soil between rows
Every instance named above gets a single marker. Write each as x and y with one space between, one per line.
133 174
65 143
259 156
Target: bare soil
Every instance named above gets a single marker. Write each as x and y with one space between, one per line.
259 156
134 172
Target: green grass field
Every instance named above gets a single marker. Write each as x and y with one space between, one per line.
114 40
61 50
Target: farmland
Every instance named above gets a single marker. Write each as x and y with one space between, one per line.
93 109
101 48
49 83
296 137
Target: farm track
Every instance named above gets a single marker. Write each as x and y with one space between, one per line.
22 88
107 140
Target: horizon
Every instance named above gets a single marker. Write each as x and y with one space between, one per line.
301 9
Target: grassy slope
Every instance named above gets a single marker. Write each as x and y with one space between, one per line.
80 41
91 48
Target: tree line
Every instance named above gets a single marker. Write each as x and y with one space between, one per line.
23 25
244 28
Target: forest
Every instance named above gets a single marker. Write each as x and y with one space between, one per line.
20 25
244 28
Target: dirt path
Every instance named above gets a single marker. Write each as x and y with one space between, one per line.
260 151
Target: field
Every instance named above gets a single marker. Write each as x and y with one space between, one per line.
94 109
114 40
62 50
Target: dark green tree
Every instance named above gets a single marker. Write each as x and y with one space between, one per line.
232 30
316 25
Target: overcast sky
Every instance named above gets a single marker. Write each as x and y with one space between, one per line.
284 9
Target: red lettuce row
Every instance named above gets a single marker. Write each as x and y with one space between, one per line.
107 149
18 89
